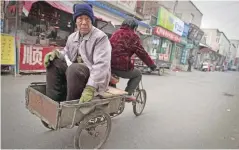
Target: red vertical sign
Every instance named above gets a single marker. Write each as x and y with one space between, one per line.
32 57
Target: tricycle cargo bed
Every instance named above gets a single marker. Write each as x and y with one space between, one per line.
68 113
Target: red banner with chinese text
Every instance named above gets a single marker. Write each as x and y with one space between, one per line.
166 34
32 57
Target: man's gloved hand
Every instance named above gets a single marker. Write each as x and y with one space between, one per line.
50 57
79 59
88 94
153 67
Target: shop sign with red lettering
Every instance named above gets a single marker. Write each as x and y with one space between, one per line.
159 31
32 57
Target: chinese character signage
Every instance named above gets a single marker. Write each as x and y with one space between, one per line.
166 34
184 56
1 24
185 30
32 57
195 33
7 49
183 41
168 21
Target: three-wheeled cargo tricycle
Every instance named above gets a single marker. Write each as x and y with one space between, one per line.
89 117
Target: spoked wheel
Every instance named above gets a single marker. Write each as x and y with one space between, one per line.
139 105
46 125
161 71
120 110
93 131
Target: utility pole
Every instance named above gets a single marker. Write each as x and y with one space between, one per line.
174 65
16 40
174 7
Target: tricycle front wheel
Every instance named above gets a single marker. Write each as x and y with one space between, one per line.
161 71
139 105
87 131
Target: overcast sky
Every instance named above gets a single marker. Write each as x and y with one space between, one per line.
223 15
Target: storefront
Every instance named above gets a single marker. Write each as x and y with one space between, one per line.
195 35
170 29
168 39
185 54
116 17
152 45
207 54
42 27
179 47
182 48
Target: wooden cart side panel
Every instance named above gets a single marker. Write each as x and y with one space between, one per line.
108 105
43 107
67 116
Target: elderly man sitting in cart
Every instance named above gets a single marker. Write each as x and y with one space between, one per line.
83 68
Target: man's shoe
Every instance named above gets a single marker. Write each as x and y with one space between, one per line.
130 98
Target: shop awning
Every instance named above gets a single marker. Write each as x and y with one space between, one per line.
205 49
58 5
201 44
61 5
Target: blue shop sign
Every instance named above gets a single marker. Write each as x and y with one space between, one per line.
184 56
183 41
189 46
114 11
185 30
1 23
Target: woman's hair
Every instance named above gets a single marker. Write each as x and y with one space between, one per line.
131 23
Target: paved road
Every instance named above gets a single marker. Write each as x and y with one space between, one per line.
184 110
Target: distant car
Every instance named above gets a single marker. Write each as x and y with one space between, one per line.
233 68
218 68
205 66
224 68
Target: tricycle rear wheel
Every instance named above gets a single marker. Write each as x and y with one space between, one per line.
89 124
141 97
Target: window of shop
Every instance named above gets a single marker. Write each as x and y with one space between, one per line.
140 6
166 49
46 25
151 44
217 39
178 54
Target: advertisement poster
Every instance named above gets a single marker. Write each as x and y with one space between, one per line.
170 22
7 49
195 33
161 56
